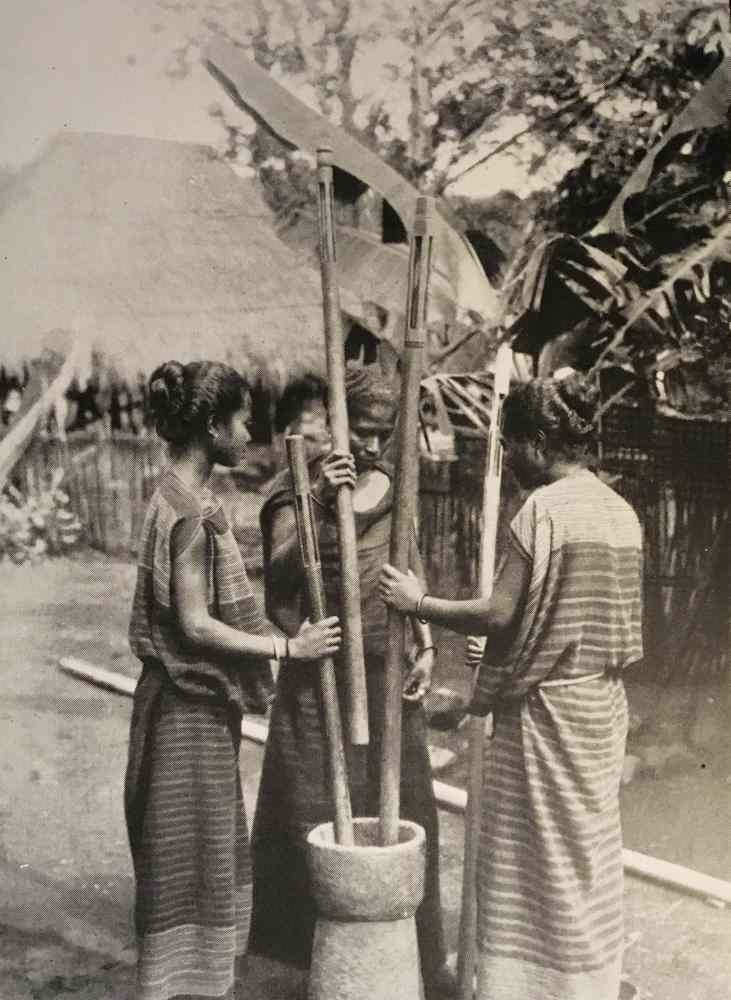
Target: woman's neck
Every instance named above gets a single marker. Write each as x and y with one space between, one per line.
562 468
192 466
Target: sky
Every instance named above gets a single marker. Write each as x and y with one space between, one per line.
96 65
103 65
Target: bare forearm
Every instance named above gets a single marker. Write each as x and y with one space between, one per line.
213 636
475 617
421 632
492 616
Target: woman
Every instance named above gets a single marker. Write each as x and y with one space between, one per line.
294 793
563 623
201 638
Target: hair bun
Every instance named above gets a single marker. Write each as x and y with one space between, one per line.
580 396
167 396
183 398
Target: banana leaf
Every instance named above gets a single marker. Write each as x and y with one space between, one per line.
297 125
707 109
593 272
565 281
689 266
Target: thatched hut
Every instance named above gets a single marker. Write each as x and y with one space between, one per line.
147 249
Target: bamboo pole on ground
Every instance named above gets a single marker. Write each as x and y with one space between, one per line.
448 797
309 551
406 487
478 726
351 621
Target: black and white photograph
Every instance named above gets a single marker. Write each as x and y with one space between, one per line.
365 500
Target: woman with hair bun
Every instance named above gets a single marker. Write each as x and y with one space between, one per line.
561 626
204 647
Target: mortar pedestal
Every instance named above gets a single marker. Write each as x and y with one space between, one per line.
365 945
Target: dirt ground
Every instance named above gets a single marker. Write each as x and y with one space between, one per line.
65 872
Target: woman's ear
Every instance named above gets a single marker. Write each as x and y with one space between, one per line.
539 442
212 427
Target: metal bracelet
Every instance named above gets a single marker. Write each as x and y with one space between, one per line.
323 506
424 621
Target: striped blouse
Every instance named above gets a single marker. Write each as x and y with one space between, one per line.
174 518
583 611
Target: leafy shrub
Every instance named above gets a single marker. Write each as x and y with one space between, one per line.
32 528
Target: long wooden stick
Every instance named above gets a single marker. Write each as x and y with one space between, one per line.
406 488
315 590
478 727
350 617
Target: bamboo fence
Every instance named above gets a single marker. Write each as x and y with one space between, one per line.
675 471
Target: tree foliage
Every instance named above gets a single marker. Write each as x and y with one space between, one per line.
669 309
466 99
528 119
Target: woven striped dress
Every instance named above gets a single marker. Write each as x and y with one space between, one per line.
183 802
550 868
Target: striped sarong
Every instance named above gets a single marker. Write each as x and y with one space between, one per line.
550 866
189 841
294 796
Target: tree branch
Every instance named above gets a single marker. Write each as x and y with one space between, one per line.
604 87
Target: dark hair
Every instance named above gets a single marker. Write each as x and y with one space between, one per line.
368 390
563 409
182 398
296 395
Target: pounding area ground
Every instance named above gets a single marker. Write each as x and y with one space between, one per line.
65 872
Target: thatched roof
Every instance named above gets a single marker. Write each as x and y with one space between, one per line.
148 250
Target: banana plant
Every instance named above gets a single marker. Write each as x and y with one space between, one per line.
595 296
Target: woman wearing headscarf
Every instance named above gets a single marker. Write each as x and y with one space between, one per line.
294 792
562 625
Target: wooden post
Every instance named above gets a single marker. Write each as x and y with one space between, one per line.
356 694
406 487
313 576
478 727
